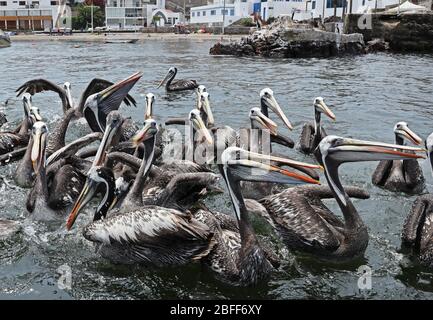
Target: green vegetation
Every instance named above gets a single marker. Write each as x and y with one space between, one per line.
247 22
83 18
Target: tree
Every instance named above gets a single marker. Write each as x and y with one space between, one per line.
99 3
84 17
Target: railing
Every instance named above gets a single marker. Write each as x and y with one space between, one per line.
25 13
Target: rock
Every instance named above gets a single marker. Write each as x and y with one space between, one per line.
285 39
377 45
8 228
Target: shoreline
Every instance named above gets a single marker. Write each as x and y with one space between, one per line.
141 37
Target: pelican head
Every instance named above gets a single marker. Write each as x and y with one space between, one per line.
35 114
260 121
97 178
205 109
67 88
150 99
267 100
149 130
402 131
98 105
197 123
169 76
39 137
201 88
27 103
320 106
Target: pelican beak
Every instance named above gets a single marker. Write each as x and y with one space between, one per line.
38 149
265 122
206 107
325 109
409 135
359 150
273 104
106 141
149 108
119 90
201 127
145 133
84 198
167 76
35 112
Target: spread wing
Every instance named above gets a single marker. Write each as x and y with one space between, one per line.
97 85
40 85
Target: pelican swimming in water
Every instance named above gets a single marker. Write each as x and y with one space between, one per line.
238 255
313 132
306 224
418 227
12 140
179 85
148 235
403 176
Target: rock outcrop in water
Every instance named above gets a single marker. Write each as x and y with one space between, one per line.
285 39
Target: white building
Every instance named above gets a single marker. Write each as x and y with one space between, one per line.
28 14
167 17
213 13
131 14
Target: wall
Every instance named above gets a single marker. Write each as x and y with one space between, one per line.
406 32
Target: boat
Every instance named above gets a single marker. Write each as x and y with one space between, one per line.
5 41
121 41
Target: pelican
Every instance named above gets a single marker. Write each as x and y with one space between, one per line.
179 85
9 140
96 85
238 255
306 224
268 101
313 133
148 235
418 227
95 109
406 175
55 186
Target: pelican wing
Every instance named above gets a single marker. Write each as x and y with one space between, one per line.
306 139
382 172
3 119
183 85
412 173
40 85
97 85
153 235
301 221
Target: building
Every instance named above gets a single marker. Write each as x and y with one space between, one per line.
131 14
28 14
166 17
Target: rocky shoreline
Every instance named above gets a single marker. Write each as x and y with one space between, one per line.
285 39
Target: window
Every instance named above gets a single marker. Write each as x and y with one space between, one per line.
224 12
137 4
35 3
198 13
213 12
330 3
3 3
363 2
193 14
313 5
22 3
114 3
54 3
232 12
204 13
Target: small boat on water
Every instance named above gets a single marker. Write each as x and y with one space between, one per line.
121 40
5 41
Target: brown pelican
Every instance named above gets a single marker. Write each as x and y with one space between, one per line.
418 227
11 140
238 255
148 235
306 224
406 175
268 101
179 85
57 182
96 85
95 109
313 133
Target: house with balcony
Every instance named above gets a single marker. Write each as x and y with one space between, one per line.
130 14
29 14
166 18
